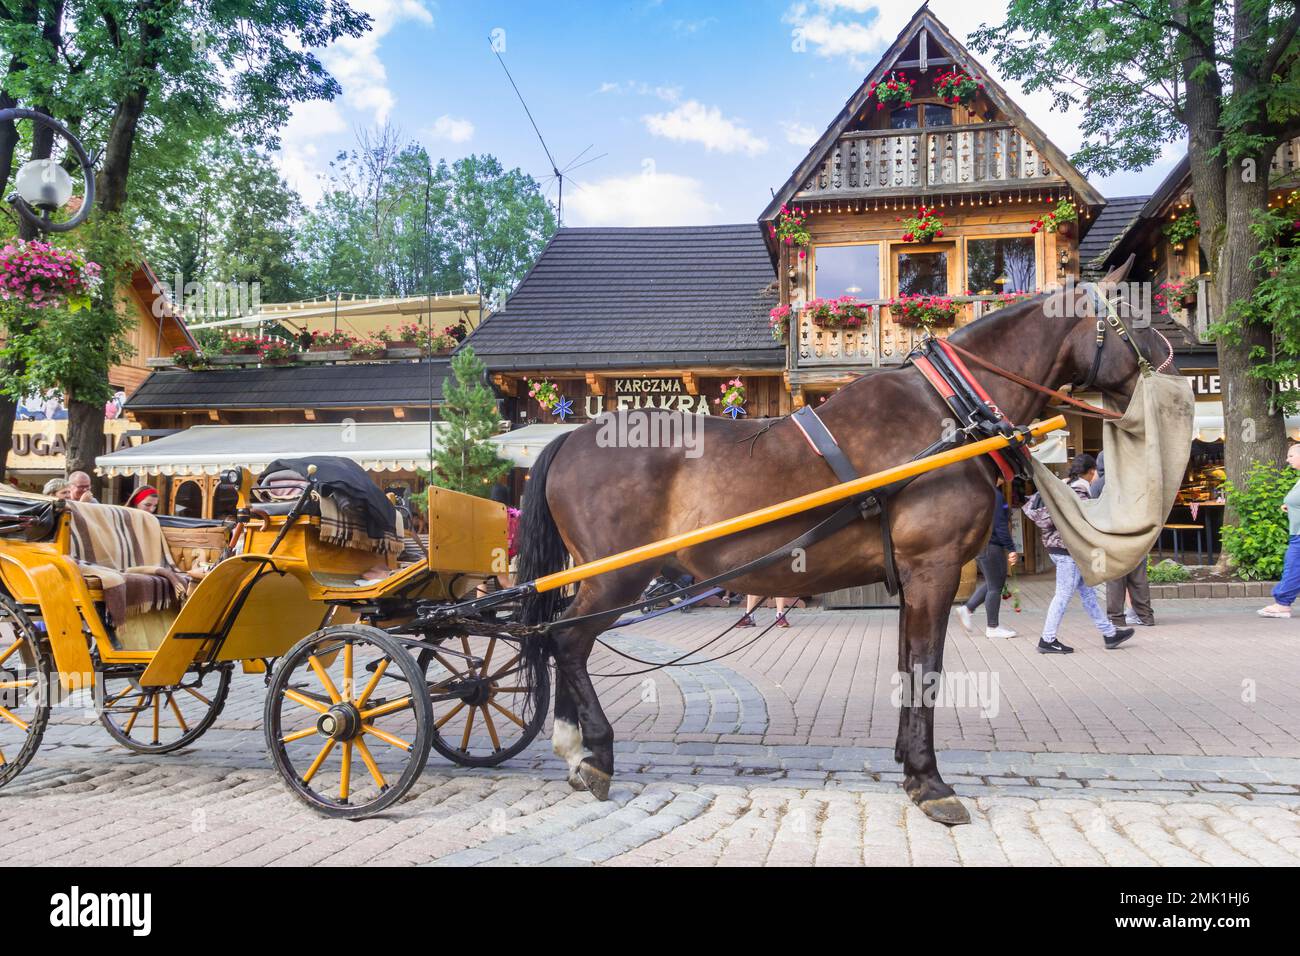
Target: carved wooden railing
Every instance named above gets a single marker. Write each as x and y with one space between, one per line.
977 156
880 340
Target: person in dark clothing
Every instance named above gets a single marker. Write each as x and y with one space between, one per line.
1134 584
998 555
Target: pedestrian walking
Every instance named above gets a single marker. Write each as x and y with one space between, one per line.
1284 594
1134 585
998 556
753 600
1068 577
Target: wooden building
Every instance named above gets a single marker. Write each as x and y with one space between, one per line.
631 318
991 175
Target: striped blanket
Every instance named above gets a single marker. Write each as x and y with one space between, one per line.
126 550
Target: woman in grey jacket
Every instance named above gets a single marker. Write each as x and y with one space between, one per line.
1068 577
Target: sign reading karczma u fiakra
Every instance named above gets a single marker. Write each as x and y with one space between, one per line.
628 393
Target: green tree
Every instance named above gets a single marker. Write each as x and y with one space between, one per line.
148 83
1144 73
496 220
467 461
1257 543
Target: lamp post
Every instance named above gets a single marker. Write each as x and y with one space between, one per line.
43 186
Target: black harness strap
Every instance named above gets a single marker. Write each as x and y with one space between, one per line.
870 504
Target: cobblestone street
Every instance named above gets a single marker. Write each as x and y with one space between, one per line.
1183 747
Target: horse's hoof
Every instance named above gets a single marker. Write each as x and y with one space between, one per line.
946 810
576 781
594 780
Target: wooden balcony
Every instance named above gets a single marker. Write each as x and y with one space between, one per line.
880 341
982 156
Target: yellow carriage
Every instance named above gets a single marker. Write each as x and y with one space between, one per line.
314 585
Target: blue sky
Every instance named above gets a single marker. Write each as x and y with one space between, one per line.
696 110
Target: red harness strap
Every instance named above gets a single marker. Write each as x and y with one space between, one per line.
932 376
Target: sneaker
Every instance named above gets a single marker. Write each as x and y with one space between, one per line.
963 615
745 621
1274 610
1056 647
999 632
1118 638
1132 620
781 621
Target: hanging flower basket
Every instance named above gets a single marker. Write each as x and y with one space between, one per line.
1181 291
732 401
779 321
895 90
1060 219
925 226
924 311
1181 228
957 87
544 392
791 228
37 275
842 313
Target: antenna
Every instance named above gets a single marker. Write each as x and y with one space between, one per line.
557 174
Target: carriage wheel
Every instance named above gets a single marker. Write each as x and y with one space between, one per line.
158 720
490 711
24 689
342 724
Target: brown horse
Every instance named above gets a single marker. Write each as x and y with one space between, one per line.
586 501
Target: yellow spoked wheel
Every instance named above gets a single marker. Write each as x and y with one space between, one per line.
25 675
159 720
347 720
486 707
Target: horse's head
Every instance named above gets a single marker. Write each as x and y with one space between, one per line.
1112 368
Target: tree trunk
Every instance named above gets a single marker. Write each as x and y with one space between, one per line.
1253 430
85 438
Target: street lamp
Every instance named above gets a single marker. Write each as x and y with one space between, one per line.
43 186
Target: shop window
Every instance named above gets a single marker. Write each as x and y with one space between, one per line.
923 273
847 270
1001 265
225 501
188 500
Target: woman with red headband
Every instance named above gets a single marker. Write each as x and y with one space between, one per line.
144 498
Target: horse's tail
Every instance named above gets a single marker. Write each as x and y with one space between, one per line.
541 549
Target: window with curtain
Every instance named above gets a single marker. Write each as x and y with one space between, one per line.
905 117
847 270
1001 265
936 114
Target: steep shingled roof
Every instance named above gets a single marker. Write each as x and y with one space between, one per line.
622 298
1114 220
348 385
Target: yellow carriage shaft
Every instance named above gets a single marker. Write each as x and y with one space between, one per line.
785 509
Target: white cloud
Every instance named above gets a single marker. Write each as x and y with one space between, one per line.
641 199
669 94
355 62
693 122
452 128
820 27
800 134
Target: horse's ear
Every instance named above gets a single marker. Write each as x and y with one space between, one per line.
1120 273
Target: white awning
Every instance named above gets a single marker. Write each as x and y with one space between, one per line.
208 449
523 445
1208 424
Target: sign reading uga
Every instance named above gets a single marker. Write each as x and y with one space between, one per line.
666 393
43 446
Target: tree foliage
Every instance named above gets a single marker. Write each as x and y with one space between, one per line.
1145 73
1257 543
467 461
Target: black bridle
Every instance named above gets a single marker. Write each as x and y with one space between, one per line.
1108 318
